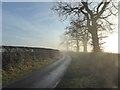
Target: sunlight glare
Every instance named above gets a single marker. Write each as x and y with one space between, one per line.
111 44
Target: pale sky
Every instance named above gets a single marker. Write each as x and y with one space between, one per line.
31 24
0 23
35 24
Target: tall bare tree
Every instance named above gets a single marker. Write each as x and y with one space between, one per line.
66 41
79 32
96 15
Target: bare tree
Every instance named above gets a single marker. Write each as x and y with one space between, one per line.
65 41
73 32
94 14
79 32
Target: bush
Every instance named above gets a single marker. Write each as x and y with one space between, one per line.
17 61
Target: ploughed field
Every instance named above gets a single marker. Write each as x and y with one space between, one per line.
91 70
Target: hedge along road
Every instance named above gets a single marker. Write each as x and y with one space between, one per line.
47 77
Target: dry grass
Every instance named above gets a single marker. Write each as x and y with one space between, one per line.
91 70
24 69
18 61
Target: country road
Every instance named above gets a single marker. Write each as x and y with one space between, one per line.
47 77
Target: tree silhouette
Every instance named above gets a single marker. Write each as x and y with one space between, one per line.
94 14
79 32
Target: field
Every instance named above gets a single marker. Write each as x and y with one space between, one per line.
18 61
91 70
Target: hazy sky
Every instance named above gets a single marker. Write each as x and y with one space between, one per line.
35 24
0 23
31 24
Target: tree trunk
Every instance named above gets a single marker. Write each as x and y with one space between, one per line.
67 47
77 49
85 46
95 40
85 42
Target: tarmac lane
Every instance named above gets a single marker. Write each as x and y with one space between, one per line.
47 77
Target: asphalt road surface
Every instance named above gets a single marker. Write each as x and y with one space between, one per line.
47 77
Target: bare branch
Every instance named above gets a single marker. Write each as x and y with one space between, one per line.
102 10
99 7
85 4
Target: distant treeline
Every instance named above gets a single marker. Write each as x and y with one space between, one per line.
13 56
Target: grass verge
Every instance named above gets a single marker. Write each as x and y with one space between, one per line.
25 68
91 70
